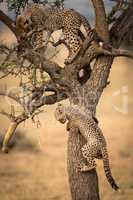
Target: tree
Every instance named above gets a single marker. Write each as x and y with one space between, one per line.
19 5
64 83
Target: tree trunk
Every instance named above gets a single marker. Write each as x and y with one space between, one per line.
83 185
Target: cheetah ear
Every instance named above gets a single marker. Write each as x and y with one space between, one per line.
59 104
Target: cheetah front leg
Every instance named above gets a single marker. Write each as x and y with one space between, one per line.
73 42
41 41
38 40
90 164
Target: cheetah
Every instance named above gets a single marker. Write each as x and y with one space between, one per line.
39 18
96 146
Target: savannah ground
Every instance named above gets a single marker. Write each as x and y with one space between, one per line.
36 166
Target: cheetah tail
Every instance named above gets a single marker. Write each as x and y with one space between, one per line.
107 169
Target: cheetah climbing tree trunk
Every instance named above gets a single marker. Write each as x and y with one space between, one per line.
84 185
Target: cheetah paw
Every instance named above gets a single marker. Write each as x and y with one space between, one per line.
68 61
84 168
87 168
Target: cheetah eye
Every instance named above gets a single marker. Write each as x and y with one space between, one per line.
101 44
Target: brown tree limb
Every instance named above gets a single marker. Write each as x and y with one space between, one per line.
9 116
9 22
101 20
120 53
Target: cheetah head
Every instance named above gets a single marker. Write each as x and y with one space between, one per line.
60 114
23 26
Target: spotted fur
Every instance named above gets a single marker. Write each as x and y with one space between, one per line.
96 146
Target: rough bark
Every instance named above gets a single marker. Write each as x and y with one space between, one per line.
124 24
83 186
101 20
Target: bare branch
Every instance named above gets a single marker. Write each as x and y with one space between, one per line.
9 22
119 53
9 116
101 20
5 75
10 94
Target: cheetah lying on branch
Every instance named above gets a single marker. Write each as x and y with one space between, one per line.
74 26
96 144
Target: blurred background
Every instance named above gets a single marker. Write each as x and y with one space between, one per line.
36 166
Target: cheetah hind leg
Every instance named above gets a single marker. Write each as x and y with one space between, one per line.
89 166
88 154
